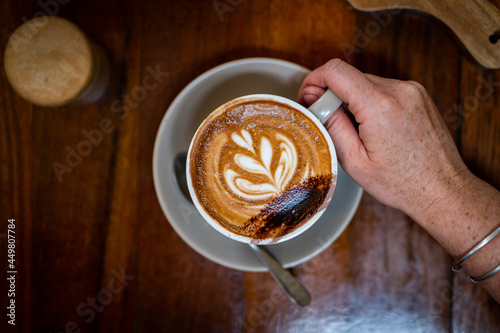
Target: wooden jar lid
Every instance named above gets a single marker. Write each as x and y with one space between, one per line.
49 61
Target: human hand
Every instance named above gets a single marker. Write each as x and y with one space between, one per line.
403 154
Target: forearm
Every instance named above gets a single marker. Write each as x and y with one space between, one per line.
468 209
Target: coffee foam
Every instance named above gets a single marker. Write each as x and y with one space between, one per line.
249 155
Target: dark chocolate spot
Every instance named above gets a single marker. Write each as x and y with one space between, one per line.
293 208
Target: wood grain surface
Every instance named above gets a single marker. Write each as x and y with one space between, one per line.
475 22
100 232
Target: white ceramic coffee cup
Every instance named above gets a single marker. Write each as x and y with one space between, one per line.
318 113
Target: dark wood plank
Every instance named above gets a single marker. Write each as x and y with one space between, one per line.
479 121
480 144
16 185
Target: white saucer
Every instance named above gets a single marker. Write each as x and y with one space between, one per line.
185 114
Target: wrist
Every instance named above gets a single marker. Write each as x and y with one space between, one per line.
439 195
444 205
444 196
459 212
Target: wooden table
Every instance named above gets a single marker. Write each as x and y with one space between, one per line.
100 233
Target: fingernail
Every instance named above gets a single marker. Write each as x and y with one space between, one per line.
310 98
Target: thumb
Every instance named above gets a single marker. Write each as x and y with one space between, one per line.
348 145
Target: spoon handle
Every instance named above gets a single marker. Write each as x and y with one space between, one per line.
292 288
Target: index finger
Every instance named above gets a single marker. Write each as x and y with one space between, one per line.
347 82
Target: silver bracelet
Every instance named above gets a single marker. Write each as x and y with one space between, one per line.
485 276
476 248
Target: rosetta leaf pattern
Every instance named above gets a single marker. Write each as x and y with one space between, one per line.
258 160
245 140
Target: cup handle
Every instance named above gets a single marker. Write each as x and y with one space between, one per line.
325 106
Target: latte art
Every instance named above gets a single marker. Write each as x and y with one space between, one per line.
260 163
260 168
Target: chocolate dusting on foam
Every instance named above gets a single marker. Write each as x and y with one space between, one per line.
290 210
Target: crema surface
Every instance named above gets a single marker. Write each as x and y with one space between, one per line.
260 168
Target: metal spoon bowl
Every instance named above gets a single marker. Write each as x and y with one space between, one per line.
290 285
